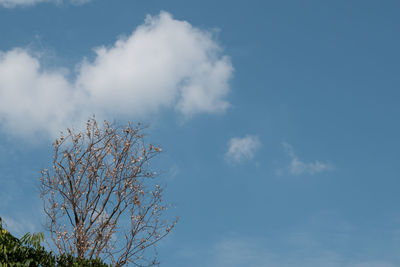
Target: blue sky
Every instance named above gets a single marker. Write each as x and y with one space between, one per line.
279 119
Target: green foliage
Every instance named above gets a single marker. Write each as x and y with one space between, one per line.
24 252
27 252
68 260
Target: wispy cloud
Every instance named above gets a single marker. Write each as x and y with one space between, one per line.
250 252
236 252
242 149
26 3
17 227
323 239
298 167
164 64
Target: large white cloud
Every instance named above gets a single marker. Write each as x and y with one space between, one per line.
25 3
164 64
32 99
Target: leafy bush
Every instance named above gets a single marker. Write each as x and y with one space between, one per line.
27 252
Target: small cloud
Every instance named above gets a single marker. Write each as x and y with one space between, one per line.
242 149
17 227
80 2
298 167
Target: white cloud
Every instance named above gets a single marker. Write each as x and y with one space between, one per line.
25 3
241 149
163 64
238 252
234 252
298 167
17 227
373 264
32 99
323 239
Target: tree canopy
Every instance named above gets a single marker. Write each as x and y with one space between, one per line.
101 196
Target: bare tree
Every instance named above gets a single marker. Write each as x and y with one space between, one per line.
101 197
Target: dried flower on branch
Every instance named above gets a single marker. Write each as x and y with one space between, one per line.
101 196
